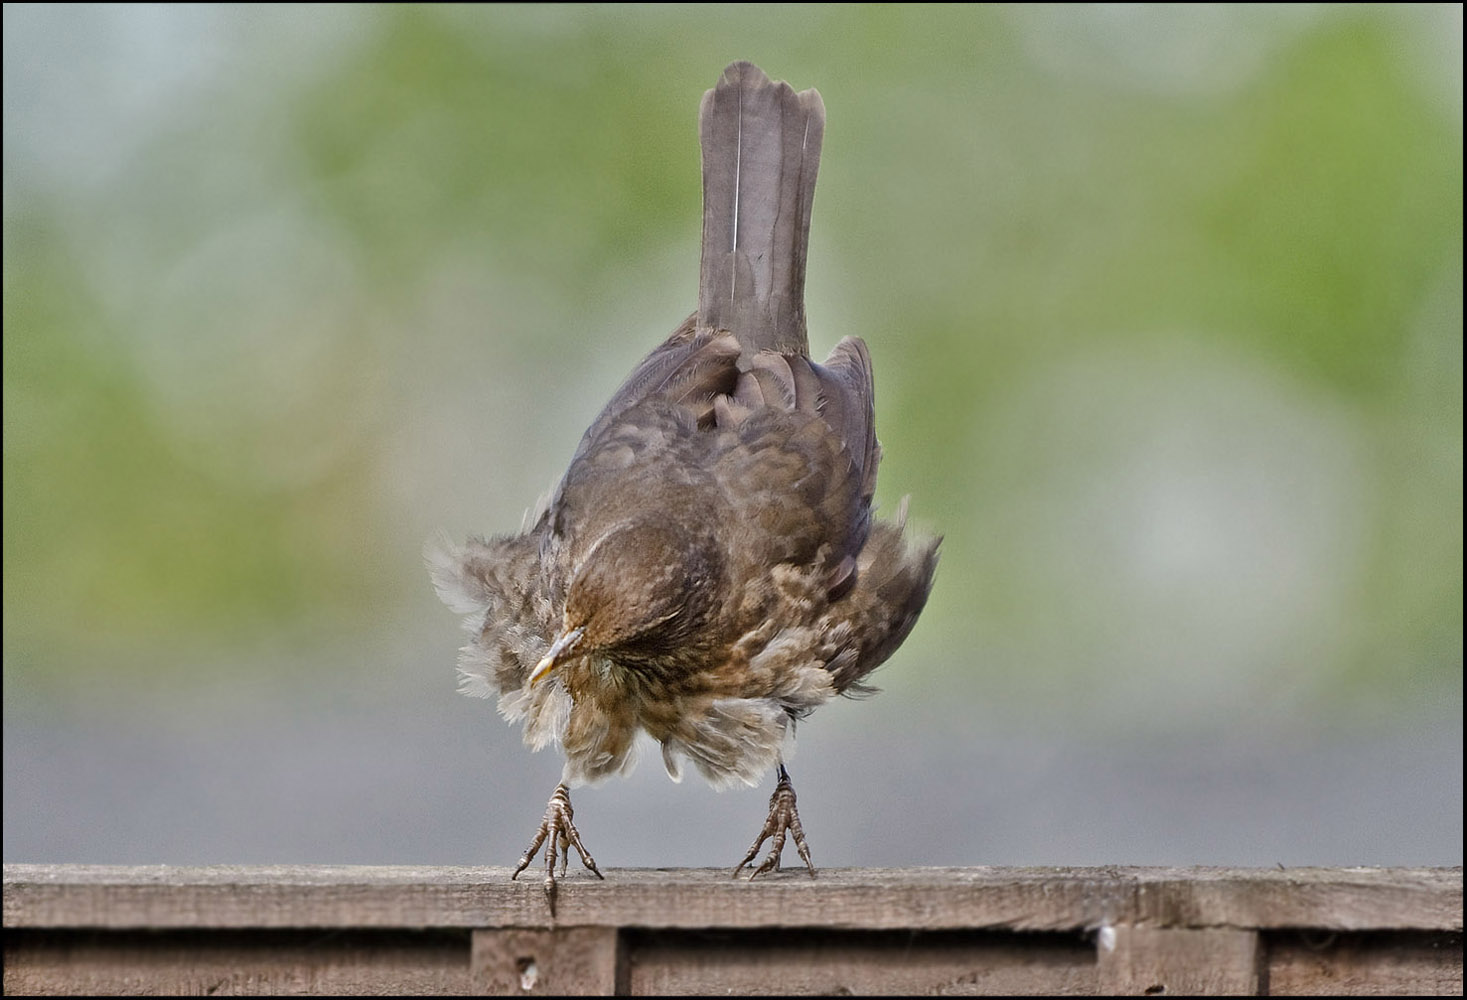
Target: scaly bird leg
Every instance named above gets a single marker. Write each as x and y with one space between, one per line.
782 816
558 829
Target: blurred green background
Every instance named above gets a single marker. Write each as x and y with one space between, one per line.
1165 304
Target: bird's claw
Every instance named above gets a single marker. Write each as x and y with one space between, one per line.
783 817
562 835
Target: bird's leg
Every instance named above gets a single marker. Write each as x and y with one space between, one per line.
561 833
782 816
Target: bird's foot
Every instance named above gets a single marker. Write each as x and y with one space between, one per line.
782 817
562 834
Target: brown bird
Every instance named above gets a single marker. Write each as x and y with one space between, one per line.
708 570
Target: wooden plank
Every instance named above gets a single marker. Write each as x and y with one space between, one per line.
80 929
1333 898
133 963
1025 899
568 961
805 963
1397 963
1148 961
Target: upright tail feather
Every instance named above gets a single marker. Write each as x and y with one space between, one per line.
761 153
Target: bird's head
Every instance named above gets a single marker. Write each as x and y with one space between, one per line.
640 592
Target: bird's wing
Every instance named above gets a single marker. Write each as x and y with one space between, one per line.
850 408
690 366
789 490
804 458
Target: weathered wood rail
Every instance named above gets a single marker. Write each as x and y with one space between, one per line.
1047 931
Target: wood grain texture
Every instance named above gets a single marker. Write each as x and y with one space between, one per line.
1336 898
1024 899
1150 961
804 963
235 963
1391 963
571 961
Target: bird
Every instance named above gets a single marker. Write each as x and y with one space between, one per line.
709 569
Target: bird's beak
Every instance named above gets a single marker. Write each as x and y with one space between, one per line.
566 642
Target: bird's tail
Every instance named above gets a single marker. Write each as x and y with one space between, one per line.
761 153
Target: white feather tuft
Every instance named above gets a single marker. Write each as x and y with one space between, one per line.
445 559
472 681
672 763
738 740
